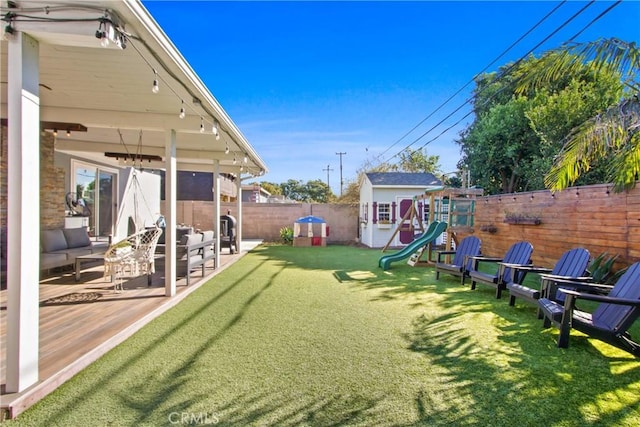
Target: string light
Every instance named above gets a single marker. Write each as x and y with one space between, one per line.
245 159
155 88
226 149
182 112
68 132
55 132
201 125
234 159
9 31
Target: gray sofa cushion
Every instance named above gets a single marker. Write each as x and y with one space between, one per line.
52 240
188 240
76 237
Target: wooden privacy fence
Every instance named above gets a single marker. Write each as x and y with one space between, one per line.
593 217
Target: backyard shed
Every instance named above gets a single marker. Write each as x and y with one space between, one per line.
315 233
385 197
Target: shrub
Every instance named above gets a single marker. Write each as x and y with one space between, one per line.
601 269
286 234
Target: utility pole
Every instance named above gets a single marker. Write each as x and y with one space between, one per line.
328 169
341 182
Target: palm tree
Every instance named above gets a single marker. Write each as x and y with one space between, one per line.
613 133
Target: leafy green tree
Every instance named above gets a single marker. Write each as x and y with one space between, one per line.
417 161
497 145
517 133
612 134
271 187
318 191
311 191
294 190
553 116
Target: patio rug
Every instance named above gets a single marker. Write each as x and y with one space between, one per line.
73 298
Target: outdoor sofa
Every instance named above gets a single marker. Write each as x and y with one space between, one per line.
60 246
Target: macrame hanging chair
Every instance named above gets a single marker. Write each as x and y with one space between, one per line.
133 256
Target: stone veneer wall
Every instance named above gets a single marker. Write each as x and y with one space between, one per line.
52 191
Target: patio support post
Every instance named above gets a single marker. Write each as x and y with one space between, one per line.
23 213
170 191
239 210
216 208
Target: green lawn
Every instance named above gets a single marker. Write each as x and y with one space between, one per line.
322 336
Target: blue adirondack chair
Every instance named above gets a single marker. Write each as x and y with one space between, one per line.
609 322
461 262
518 254
572 265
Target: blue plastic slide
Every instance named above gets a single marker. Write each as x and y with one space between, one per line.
433 231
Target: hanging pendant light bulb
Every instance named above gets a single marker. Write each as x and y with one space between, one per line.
226 149
201 125
217 137
182 112
234 159
245 159
214 128
155 88
55 132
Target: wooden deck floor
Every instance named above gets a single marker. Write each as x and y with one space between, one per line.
80 321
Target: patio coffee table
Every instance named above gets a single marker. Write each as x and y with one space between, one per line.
88 257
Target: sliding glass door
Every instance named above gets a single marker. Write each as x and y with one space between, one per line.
95 189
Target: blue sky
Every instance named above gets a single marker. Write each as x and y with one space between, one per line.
306 80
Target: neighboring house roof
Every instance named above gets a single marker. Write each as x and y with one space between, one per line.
403 179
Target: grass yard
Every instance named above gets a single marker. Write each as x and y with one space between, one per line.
322 336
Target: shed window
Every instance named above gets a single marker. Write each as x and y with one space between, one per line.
384 211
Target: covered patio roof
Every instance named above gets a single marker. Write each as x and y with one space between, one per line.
107 89
89 67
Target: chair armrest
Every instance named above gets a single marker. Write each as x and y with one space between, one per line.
580 284
602 298
441 253
485 258
550 287
477 259
558 278
530 268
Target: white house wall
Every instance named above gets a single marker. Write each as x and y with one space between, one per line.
366 201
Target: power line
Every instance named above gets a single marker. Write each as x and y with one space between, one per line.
506 71
510 68
474 77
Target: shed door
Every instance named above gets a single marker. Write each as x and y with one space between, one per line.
406 227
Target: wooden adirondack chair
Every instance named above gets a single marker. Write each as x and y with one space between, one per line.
518 254
609 322
572 265
461 262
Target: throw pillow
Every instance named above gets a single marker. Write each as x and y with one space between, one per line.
76 237
53 240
